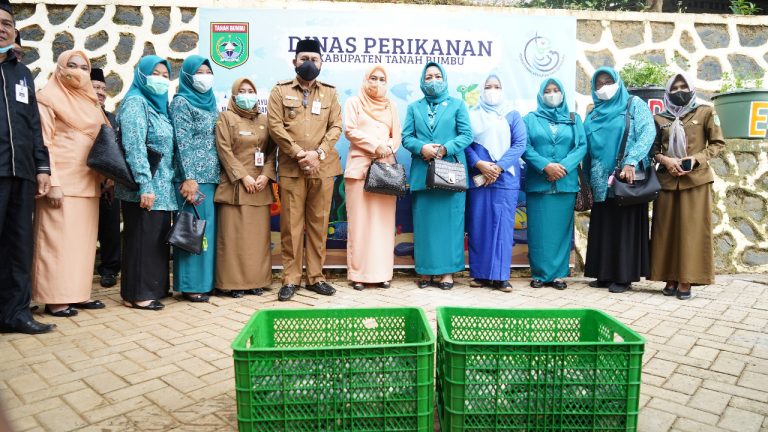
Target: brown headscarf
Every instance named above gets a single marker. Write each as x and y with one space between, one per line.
252 113
377 105
69 93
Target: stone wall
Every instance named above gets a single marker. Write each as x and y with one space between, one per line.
117 35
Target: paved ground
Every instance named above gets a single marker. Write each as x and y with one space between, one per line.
118 369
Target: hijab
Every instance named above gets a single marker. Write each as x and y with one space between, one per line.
138 88
490 127
558 114
678 142
204 101
442 95
377 106
605 124
69 93
234 107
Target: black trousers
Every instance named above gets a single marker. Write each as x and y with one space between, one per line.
17 204
109 236
145 274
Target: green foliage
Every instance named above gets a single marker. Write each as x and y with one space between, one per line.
732 82
612 5
643 73
744 7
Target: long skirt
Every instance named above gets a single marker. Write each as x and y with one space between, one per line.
617 242
370 235
195 273
145 253
681 236
491 228
438 231
65 249
243 257
550 231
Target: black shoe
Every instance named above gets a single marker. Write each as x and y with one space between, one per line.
254 291
93 304
423 283
154 305
684 295
477 283
28 327
286 292
358 286
236 294
535 283
65 313
322 288
196 297
599 284
669 291
445 286
385 285
559 285
108 280
618 288
503 286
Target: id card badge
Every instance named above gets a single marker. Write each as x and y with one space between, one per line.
258 158
22 93
316 107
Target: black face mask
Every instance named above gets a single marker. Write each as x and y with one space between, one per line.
307 71
681 98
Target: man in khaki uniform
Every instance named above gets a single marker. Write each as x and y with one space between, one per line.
305 121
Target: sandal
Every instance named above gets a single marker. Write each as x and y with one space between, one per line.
64 313
92 304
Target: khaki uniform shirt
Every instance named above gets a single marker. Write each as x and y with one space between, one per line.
705 140
295 127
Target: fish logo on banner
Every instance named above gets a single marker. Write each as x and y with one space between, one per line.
229 44
539 58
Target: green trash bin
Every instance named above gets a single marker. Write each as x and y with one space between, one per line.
335 370
743 113
536 370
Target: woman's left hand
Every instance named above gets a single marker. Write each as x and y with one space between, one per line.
628 174
261 182
189 189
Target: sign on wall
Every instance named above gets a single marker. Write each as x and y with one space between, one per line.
522 50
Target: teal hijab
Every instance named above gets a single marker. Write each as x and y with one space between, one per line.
146 65
605 124
442 95
204 101
558 114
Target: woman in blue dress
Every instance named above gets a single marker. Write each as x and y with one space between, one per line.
144 122
493 159
194 114
556 146
618 238
436 126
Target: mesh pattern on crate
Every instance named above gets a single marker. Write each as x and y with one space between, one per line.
497 329
345 331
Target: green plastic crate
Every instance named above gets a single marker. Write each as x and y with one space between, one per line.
335 370
536 370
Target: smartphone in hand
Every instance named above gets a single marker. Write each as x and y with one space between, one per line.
686 164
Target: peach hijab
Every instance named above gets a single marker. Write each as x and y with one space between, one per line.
376 104
69 93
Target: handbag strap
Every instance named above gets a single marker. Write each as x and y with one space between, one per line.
620 154
446 153
194 208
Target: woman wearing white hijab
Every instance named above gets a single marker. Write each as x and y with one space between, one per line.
499 139
688 135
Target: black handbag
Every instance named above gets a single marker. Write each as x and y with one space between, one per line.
187 231
450 176
646 186
584 198
107 158
386 179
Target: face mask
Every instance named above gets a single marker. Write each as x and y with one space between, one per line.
307 71
493 97
553 99
434 87
376 91
202 82
246 101
4 50
681 98
158 84
75 78
607 91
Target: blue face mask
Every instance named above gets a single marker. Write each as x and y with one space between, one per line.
4 50
246 101
157 84
434 87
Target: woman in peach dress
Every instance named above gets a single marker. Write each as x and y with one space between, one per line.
373 129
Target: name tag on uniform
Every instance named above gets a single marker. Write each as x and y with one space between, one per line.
22 93
316 107
258 159
246 133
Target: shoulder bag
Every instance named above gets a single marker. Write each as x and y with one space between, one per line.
584 199
187 231
646 186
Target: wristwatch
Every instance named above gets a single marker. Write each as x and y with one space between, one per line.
320 154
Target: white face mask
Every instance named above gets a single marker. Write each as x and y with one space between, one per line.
202 82
553 99
493 97
607 91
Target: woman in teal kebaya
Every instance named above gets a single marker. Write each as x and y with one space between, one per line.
556 146
436 126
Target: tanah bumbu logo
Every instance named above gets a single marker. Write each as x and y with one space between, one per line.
539 58
229 44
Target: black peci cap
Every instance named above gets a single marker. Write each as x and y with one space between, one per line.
6 6
308 45
97 75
